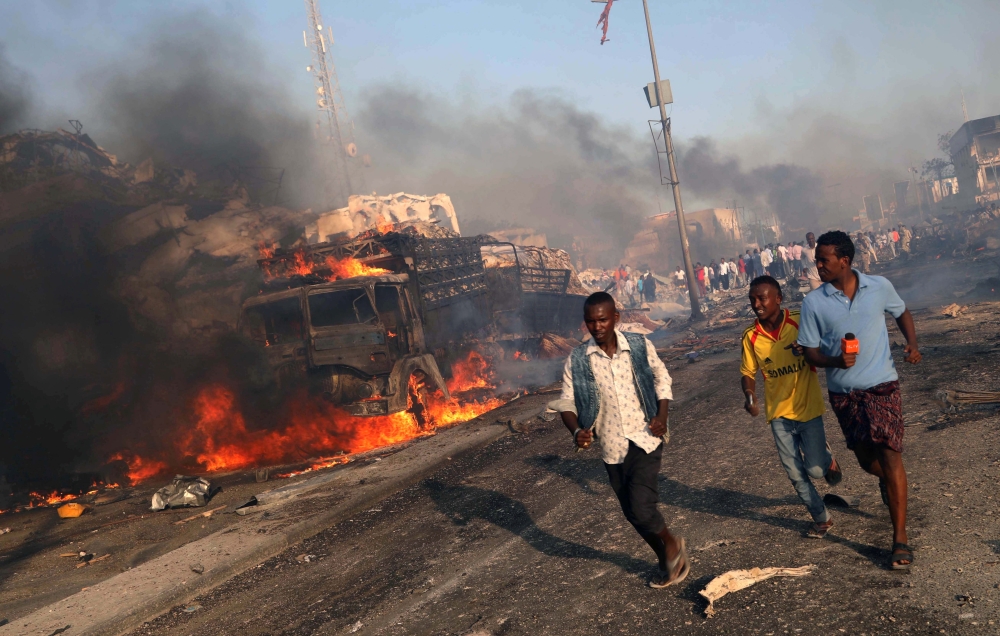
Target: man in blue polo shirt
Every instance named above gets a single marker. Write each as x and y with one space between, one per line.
863 386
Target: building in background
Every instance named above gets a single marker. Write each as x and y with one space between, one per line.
712 233
975 152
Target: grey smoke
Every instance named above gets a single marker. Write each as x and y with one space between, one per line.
199 94
540 161
15 95
535 160
792 192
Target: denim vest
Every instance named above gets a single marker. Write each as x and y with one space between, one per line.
585 393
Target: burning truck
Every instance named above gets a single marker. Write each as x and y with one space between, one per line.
367 322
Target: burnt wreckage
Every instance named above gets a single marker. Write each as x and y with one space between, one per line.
422 303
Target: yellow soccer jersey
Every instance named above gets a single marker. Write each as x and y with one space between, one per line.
791 386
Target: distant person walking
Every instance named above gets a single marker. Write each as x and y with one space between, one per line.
650 287
766 259
863 386
864 248
792 398
617 390
757 269
809 261
905 236
679 278
795 254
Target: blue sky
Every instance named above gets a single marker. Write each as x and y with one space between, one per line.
741 71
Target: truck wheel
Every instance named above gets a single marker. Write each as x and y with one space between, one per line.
417 393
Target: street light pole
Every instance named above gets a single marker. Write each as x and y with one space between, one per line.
675 184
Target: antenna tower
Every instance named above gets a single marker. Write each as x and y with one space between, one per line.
339 129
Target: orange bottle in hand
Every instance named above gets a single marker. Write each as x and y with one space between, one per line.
849 343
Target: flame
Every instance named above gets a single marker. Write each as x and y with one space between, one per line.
383 225
330 268
521 356
473 372
139 468
51 499
266 249
219 438
350 267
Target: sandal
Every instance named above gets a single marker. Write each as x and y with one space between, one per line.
678 567
906 554
819 530
884 490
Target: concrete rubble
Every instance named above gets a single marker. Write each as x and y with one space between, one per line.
364 212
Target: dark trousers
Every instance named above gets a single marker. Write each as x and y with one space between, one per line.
635 484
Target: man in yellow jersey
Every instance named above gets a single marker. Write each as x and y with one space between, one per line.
792 398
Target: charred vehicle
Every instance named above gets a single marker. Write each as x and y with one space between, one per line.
356 319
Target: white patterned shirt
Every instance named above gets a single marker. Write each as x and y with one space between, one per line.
621 418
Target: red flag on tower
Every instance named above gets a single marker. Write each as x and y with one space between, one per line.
602 22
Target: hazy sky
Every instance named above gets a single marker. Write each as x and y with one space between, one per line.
731 63
839 87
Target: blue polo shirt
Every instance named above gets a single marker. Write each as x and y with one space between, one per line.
827 314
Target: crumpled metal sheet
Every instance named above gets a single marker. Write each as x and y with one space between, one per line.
183 491
736 580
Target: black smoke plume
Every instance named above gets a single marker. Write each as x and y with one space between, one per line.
199 94
15 95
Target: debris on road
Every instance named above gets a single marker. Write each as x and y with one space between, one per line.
839 501
4 530
197 568
206 514
552 346
716 544
90 559
736 580
182 492
953 310
953 400
71 510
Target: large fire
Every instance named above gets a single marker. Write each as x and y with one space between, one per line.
302 263
219 439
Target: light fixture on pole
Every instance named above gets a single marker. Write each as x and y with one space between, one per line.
658 94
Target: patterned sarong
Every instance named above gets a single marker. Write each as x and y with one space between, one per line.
871 416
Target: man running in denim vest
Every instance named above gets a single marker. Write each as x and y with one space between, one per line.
864 385
792 398
616 389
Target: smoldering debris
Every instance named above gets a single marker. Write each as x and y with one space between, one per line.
183 492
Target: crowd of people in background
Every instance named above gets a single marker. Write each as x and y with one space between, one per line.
792 260
782 261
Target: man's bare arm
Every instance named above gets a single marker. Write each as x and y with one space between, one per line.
658 426
749 386
909 330
572 422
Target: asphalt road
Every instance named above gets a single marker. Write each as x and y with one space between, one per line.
524 536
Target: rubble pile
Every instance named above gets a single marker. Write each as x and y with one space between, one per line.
365 213
189 243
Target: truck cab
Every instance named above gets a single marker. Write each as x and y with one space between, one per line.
357 341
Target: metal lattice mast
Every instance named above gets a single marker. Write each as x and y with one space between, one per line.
330 101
